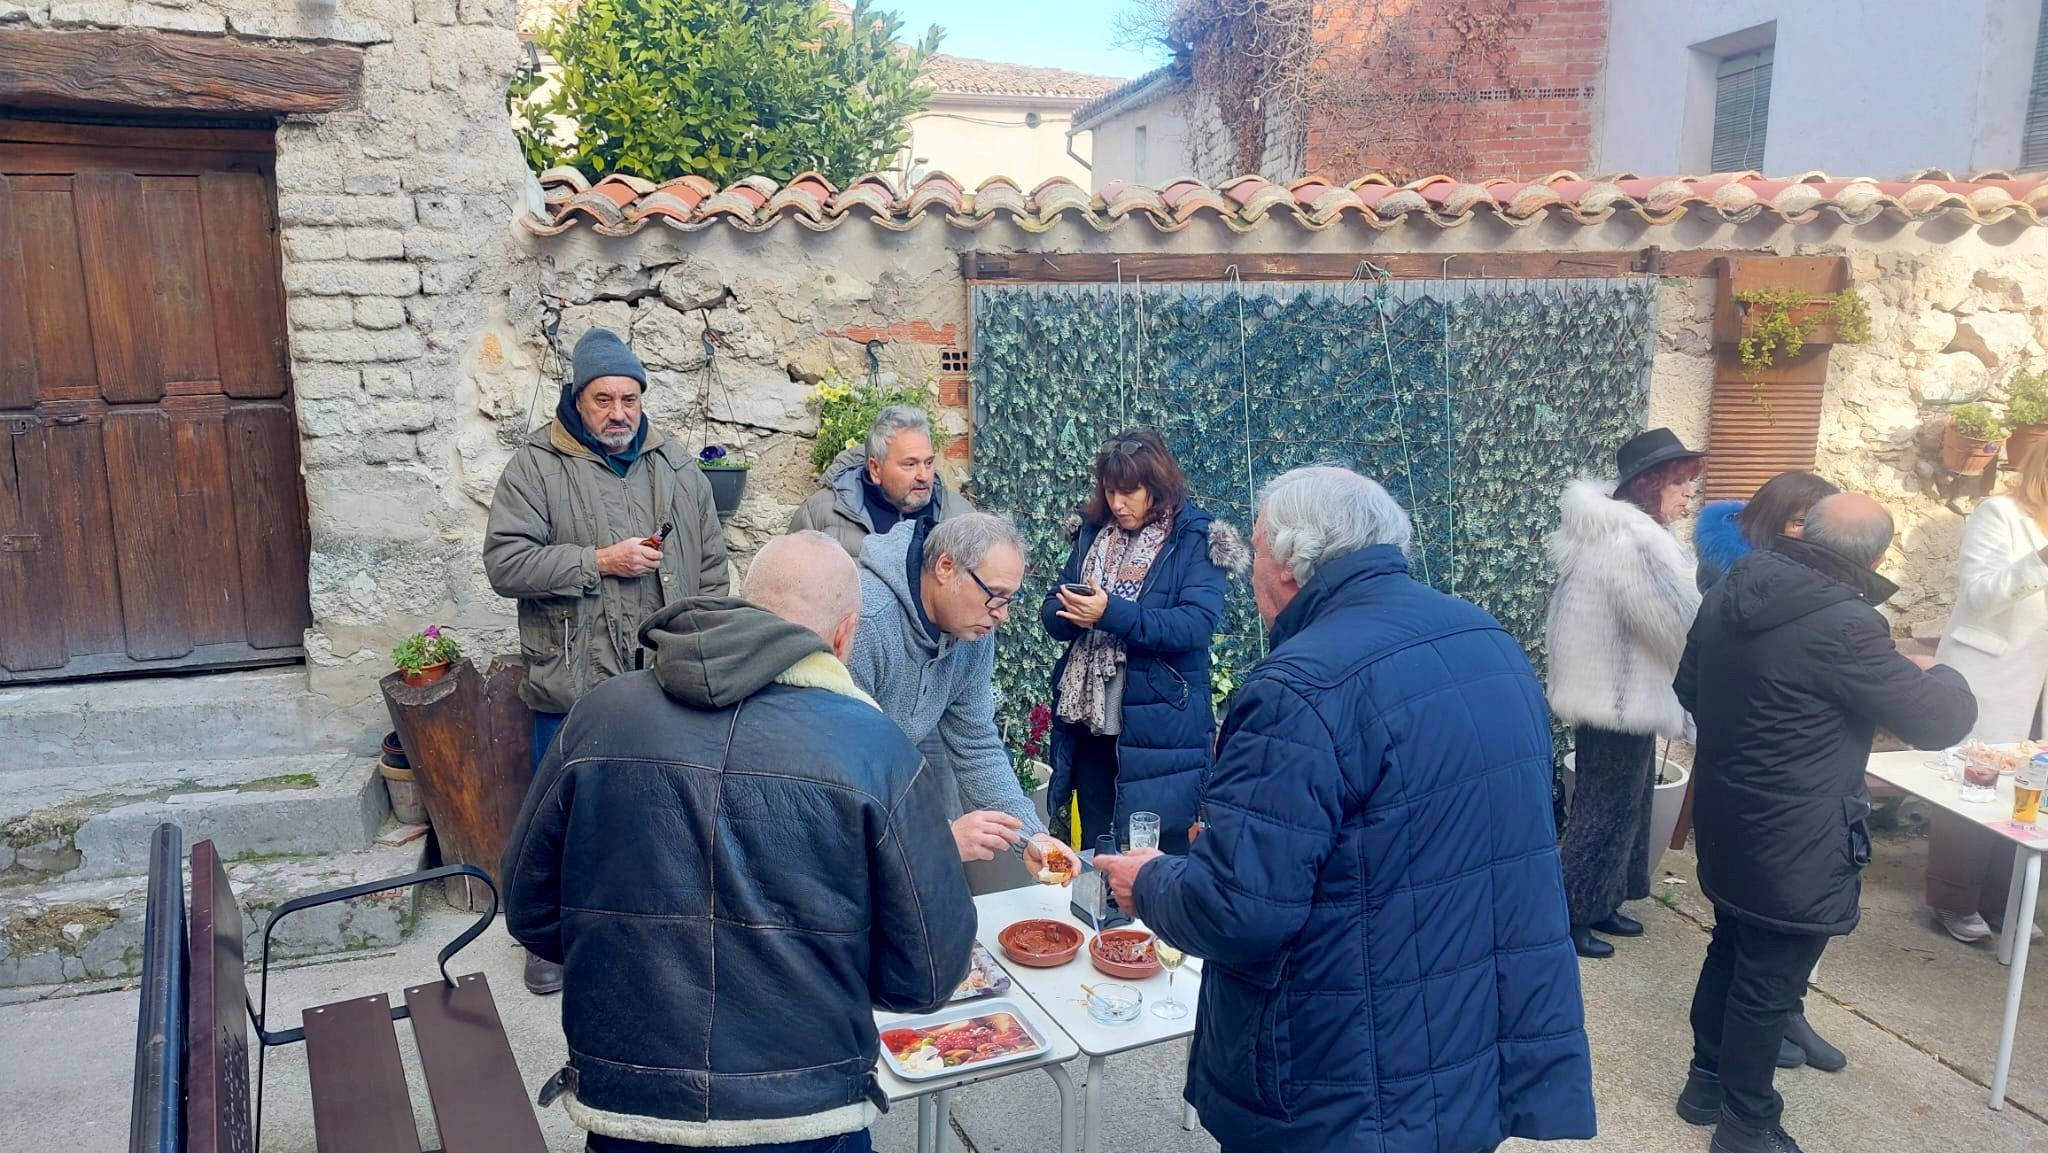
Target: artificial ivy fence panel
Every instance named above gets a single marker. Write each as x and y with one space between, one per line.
1474 402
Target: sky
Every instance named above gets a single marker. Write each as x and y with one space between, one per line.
1076 34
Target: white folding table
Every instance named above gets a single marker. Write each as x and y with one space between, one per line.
1921 775
1058 992
935 1097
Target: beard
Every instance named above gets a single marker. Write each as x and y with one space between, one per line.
915 499
617 439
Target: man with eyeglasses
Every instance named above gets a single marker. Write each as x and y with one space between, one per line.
931 599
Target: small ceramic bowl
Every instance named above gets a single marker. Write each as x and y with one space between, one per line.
1130 939
1040 943
1114 1004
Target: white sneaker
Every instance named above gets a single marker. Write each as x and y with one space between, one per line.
1969 928
2034 936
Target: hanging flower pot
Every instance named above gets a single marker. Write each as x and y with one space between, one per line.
728 476
1970 440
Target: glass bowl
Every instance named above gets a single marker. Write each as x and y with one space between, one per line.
1114 1004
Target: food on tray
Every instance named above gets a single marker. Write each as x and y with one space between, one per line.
984 977
949 1046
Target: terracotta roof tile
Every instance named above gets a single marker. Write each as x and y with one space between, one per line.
622 205
965 76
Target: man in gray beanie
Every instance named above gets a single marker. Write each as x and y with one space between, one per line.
576 536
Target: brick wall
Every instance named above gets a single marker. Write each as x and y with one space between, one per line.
1473 88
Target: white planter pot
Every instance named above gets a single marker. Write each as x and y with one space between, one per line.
1665 804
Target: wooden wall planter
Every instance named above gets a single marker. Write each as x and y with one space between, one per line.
469 739
1766 422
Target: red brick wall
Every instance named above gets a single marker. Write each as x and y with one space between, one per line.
1470 88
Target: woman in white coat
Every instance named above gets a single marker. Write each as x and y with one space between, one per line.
1998 639
1624 600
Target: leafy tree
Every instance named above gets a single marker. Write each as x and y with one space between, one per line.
722 89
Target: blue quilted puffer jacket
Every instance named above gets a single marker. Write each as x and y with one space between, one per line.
1378 897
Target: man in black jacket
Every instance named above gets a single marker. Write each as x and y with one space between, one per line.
738 858
1788 672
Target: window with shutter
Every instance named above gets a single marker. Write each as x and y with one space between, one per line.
2034 146
1742 106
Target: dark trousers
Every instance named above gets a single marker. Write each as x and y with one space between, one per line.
1095 787
1751 982
1606 846
1969 868
850 1143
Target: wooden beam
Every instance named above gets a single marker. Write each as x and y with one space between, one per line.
1099 267
165 72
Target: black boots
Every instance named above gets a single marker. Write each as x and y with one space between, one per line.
1812 1049
542 977
1588 945
1732 1137
1700 1103
1618 924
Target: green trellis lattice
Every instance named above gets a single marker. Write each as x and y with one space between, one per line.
1474 402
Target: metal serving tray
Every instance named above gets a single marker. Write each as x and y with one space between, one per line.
953 1015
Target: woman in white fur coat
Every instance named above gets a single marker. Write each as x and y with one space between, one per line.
1616 628
1997 637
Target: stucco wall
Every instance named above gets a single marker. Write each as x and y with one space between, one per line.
1838 75
1158 156
972 142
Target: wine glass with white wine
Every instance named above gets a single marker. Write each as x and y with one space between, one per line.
1170 958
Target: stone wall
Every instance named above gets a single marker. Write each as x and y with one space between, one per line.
398 246
1953 312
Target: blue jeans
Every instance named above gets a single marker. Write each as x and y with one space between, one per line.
850 1143
545 726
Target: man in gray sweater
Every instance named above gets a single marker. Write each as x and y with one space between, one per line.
931 600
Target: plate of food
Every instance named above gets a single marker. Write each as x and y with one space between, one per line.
2006 758
1125 953
954 1041
1040 943
985 978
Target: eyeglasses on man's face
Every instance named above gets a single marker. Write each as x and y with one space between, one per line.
996 601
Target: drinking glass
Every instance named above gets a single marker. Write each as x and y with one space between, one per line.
1170 958
1144 831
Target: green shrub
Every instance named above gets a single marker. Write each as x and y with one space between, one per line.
1978 423
2029 398
722 89
848 408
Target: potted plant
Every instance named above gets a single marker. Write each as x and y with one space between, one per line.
846 410
2027 414
1971 440
727 473
423 657
1033 774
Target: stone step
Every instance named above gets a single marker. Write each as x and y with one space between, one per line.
92 930
95 822
237 714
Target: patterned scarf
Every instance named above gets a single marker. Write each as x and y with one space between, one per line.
1091 690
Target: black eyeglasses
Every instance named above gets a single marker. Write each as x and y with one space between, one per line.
996 602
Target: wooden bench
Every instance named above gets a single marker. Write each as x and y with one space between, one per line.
193 1090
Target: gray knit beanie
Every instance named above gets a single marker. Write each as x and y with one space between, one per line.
600 352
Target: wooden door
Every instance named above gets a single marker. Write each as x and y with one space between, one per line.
151 511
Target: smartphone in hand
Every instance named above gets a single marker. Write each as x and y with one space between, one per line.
1079 590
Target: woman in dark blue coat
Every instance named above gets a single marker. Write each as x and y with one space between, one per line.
1132 725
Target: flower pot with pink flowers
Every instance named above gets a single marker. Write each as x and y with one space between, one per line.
424 657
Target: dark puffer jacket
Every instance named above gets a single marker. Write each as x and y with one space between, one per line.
1169 725
1789 672
738 858
1378 899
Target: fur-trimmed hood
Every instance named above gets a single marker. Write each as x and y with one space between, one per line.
1228 549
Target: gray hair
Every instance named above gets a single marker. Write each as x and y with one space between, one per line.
969 538
1851 525
896 418
1314 515
807 579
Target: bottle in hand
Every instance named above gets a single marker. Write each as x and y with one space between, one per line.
661 534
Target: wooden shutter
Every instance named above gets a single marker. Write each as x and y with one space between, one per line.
1742 107
2034 145
1761 424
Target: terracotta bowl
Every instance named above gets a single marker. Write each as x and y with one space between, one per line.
1039 943
1127 970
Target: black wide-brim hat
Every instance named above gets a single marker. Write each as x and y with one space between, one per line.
1646 451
